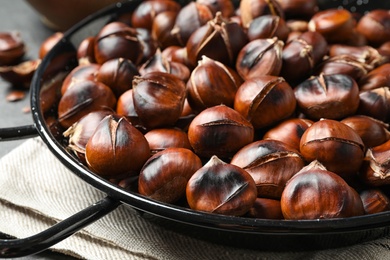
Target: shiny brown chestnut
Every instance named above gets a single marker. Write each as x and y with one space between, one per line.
316 193
221 188
336 25
225 7
257 98
260 57
302 9
301 55
343 64
375 171
12 48
158 62
372 131
219 39
335 145
164 176
366 54
158 98
79 133
271 164
376 78
20 75
333 96
80 73
49 43
162 138
161 29
118 40
212 83
268 26
375 26
145 13
250 9
84 97
220 131
375 103
176 54
85 51
266 209
117 74
110 151
374 201
125 107
289 131
190 17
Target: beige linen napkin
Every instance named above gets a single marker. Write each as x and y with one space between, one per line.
36 191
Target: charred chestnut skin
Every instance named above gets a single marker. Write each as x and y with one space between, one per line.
221 188
116 148
335 145
164 176
220 131
271 164
316 193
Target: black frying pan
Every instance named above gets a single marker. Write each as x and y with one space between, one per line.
238 231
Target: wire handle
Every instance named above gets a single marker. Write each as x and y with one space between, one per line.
10 248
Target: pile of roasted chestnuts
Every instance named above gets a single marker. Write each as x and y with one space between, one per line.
269 109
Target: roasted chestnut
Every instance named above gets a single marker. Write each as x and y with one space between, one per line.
49 43
110 151
225 7
332 96
220 131
80 73
145 13
271 164
316 193
164 176
117 74
301 55
374 201
85 51
82 98
336 25
260 57
257 98
162 138
125 107
118 40
302 9
158 98
268 26
335 145
219 39
221 188
20 75
289 131
12 48
376 78
376 167
375 103
375 26
250 9
212 83
161 29
372 131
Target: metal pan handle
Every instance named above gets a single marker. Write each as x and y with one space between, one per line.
10 248
19 132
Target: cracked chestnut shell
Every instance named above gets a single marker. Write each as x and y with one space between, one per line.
271 164
219 39
250 9
164 176
257 98
221 188
116 148
82 98
268 26
212 83
118 40
374 201
316 193
260 57
220 131
12 48
333 96
335 145
376 166
158 98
